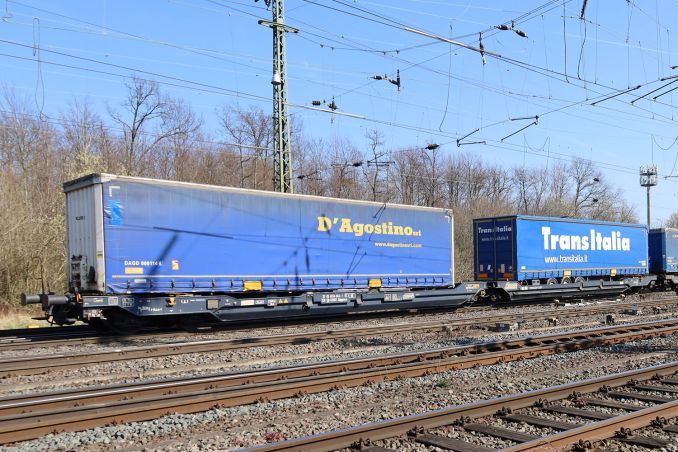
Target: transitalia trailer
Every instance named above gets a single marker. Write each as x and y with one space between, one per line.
524 257
153 249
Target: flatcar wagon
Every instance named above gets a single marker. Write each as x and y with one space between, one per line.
143 251
523 257
148 252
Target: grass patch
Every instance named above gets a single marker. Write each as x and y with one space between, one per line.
12 317
443 383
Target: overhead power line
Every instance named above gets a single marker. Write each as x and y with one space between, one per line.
519 19
260 98
494 144
399 25
233 92
218 90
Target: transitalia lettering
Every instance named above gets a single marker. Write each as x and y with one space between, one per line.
505 228
347 226
595 241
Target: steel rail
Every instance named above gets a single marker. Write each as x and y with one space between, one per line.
597 431
26 338
18 332
36 364
380 430
22 338
126 407
530 347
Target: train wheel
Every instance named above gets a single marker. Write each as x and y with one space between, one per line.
63 315
566 280
552 281
579 279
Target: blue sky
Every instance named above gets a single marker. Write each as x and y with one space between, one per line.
222 56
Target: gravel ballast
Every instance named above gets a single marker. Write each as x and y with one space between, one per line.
230 428
252 358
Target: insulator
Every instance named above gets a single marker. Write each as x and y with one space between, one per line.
277 80
481 47
316 103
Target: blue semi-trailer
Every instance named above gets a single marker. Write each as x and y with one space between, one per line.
527 255
144 248
664 250
663 245
144 251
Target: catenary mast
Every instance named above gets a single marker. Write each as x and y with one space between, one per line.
282 153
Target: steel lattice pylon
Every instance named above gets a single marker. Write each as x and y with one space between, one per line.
282 154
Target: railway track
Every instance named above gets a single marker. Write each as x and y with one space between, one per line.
32 335
30 416
575 410
26 338
37 364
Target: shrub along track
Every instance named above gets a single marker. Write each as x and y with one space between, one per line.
39 364
587 396
31 416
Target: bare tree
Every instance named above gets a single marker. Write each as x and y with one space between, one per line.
373 169
23 134
498 185
453 183
250 131
146 121
176 151
342 174
82 139
587 188
522 181
309 161
431 176
557 199
404 176
672 221
31 202
472 173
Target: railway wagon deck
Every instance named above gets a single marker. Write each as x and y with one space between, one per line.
152 248
537 258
